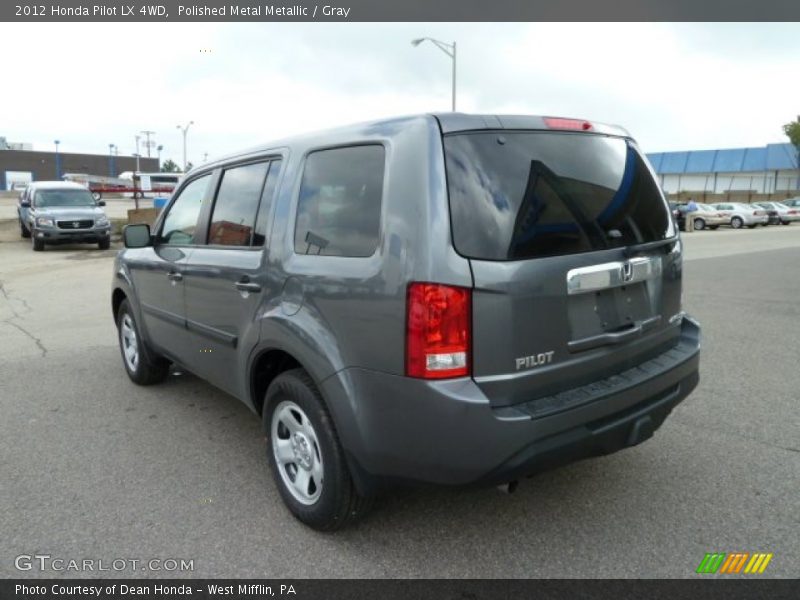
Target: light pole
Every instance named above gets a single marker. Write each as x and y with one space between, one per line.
159 148
138 137
450 50
185 130
58 160
111 170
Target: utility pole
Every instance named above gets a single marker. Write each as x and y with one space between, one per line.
185 130
147 135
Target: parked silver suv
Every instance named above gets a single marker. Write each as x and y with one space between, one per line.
450 298
56 212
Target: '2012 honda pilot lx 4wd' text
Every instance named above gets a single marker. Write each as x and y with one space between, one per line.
448 298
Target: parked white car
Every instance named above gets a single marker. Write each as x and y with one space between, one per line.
785 214
739 214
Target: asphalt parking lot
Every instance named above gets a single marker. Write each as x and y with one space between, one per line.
92 466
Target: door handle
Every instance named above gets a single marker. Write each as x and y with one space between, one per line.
245 285
173 276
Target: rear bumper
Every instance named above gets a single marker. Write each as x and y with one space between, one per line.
397 428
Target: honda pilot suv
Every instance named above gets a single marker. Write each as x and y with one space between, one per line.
62 212
453 299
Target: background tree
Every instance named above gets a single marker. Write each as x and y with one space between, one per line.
169 166
792 131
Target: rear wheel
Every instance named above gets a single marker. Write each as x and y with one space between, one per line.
141 367
305 456
104 244
699 224
737 223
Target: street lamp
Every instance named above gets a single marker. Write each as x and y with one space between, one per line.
58 160
185 130
159 148
450 50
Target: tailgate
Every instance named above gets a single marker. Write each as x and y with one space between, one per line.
575 263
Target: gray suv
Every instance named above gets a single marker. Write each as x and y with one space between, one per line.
455 299
61 212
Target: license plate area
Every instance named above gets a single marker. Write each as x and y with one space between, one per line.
610 310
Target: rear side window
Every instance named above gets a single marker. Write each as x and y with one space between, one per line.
339 209
234 216
518 195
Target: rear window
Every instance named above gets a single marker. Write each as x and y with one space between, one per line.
517 195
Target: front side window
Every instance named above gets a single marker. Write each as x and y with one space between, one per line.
181 220
339 209
234 216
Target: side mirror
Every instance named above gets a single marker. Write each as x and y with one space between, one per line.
101 203
25 204
137 235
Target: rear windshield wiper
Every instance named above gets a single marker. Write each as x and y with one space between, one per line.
631 250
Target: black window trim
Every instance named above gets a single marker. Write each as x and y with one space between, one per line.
295 204
208 212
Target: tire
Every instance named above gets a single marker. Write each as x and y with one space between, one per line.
97 196
299 427
786 222
36 243
24 231
699 224
104 244
737 223
143 368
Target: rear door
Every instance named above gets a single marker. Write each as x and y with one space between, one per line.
226 275
574 258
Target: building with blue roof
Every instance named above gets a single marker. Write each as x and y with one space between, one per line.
766 170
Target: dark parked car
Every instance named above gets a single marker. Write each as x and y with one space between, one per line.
455 299
58 212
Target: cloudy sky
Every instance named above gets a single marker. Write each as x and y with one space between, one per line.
673 86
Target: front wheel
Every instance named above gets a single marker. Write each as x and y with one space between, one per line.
305 456
37 243
24 231
140 366
104 244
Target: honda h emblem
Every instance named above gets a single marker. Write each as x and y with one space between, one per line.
627 272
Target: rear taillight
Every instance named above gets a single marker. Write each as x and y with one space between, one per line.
438 324
574 124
